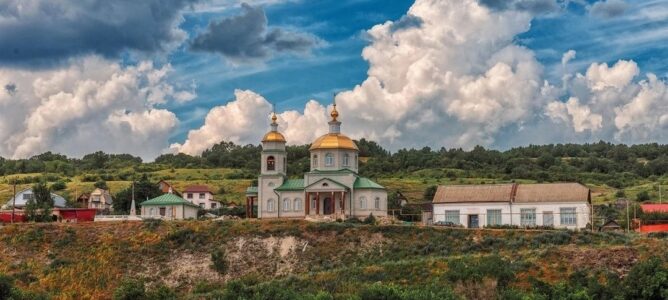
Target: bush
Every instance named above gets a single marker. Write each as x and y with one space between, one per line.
6 286
130 289
152 224
647 280
219 262
642 196
58 186
370 220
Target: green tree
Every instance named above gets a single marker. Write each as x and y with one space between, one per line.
101 184
642 196
38 208
144 189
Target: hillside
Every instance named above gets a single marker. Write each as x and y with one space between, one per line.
297 259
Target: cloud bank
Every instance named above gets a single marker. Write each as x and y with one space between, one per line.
456 78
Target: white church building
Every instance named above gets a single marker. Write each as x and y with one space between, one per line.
331 188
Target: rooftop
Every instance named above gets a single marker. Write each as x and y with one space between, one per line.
167 199
197 189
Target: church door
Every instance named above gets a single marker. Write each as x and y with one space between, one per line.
329 206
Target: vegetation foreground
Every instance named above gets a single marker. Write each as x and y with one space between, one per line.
302 260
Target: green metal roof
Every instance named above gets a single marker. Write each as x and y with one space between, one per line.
251 190
167 199
291 185
366 183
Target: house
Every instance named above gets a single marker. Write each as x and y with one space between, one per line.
611 225
100 199
331 189
83 200
561 205
165 187
652 224
200 195
23 196
170 207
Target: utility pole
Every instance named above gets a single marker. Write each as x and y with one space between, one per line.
14 202
628 218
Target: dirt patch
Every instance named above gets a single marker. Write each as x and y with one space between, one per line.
616 259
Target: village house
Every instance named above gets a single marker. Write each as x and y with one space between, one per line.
331 189
200 195
166 187
99 199
559 205
169 207
23 196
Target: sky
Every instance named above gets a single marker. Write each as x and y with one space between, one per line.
167 76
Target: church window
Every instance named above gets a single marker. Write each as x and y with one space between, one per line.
315 161
363 202
329 160
271 163
286 204
325 184
298 204
376 203
270 184
270 205
346 160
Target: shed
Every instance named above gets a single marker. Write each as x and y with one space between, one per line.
169 206
610 225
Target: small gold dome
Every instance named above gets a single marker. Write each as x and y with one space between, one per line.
334 114
333 141
273 136
273 118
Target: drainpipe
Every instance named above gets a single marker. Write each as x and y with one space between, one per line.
278 204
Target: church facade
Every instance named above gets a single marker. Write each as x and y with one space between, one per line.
332 187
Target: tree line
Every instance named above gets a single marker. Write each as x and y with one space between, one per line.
617 165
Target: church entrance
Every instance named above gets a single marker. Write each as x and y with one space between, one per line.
328 208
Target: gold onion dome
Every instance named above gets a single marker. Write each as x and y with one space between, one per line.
334 141
273 135
334 114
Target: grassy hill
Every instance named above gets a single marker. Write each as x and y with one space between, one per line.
301 260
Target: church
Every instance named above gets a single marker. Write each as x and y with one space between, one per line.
332 188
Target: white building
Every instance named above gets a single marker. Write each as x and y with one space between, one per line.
170 207
100 199
561 205
331 188
23 196
201 196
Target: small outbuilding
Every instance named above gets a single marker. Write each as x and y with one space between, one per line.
611 225
169 207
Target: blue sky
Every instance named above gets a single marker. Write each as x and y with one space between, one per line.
181 75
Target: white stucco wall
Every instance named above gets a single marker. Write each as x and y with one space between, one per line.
292 211
266 186
369 196
338 155
465 209
207 201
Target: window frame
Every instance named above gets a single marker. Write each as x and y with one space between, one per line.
571 217
297 204
346 160
362 202
329 159
287 205
376 203
452 215
525 213
314 161
494 217
271 163
270 205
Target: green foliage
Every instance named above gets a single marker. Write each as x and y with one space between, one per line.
151 224
130 289
101 184
6 286
38 208
219 261
370 220
469 269
144 189
647 280
642 196
429 193
58 186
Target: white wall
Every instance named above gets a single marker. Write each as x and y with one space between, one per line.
480 209
370 196
338 159
292 211
206 201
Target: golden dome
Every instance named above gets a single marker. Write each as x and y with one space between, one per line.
273 136
334 141
334 114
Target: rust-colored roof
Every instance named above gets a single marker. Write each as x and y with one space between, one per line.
197 189
473 193
552 192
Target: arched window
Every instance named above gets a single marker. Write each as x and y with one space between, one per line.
270 205
150 211
271 163
286 204
363 202
298 204
329 160
315 161
376 203
346 160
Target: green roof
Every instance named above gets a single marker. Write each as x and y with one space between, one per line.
167 199
366 183
251 190
291 185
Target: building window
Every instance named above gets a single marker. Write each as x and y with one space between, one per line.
315 161
362 202
213 205
271 163
190 195
162 211
346 160
270 184
451 216
568 216
313 204
270 205
27 196
329 160
150 211
201 195
286 204
298 204
528 217
376 203
493 217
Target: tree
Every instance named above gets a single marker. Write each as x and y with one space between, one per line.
429 193
38 208
642 196
101 184
144 189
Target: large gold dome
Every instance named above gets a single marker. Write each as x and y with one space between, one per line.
273 136
334 141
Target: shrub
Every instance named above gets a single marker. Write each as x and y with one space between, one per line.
58 186
647 280
130 289
152 224
371 220
219 262
6 286
642 196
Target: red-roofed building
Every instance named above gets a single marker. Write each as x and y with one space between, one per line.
652 208
653 225
200 195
